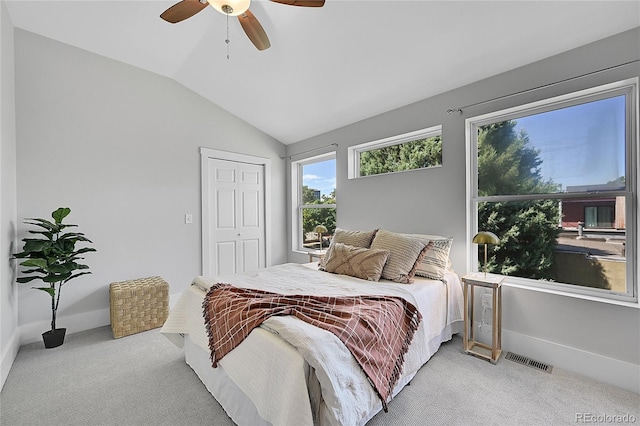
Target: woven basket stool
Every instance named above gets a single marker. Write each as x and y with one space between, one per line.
138 305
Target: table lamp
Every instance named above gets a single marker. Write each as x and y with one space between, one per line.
485 237
320 229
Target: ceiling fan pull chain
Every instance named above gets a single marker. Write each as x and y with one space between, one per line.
227 39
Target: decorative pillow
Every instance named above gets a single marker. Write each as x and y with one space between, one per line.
436 261
427 236
350 238
358 262
405 253
354 238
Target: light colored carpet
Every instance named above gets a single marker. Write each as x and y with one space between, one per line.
142 380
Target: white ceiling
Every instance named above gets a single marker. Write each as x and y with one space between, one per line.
331 66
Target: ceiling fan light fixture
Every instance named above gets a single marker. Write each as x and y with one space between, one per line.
230 7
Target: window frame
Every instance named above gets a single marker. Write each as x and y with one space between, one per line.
629 88
297 230
354 152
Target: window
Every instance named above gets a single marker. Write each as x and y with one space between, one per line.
556 182
599 216
410 151
314 195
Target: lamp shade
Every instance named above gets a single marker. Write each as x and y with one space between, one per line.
486 237
320 229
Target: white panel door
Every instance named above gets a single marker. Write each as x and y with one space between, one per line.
252 216
236 223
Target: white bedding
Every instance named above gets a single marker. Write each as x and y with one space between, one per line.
272 366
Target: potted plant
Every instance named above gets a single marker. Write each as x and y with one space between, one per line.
53 258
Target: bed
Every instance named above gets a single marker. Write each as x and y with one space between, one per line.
287 371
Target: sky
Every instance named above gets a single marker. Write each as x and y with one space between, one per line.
580 145
321 175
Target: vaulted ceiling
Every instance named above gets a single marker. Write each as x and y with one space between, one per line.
331 66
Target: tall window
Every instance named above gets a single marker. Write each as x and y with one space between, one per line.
410 151
314 186
556 182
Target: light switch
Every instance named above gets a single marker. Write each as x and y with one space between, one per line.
188 218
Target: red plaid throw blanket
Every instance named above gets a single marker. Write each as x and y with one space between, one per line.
377 330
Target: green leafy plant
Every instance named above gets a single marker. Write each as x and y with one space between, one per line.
53 258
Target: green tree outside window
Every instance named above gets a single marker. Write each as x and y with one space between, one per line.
417 154
528 229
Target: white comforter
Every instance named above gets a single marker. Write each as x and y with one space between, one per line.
269 373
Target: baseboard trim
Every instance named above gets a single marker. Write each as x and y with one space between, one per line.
32 332
598 367
9 354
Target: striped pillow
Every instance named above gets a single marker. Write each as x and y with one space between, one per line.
436 262
405 254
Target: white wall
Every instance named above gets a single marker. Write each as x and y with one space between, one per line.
593 338
9 336
120 147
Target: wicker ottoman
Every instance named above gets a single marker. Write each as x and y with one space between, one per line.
138 305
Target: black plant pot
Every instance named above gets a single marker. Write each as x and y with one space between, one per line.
54 338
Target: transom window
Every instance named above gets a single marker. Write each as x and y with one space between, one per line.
410 151
556 182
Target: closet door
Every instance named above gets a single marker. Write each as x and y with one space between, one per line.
236 217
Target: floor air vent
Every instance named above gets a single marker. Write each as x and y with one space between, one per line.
529 362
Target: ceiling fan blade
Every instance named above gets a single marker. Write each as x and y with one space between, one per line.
254 30
183 10
303 3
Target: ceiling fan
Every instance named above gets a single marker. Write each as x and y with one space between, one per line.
240 8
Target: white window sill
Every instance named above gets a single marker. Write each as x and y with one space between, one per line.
625 303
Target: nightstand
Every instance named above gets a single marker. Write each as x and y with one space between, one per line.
470 345
316 253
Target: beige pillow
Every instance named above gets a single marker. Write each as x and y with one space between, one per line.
405 254
436 262
354 238
358 262
350 238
